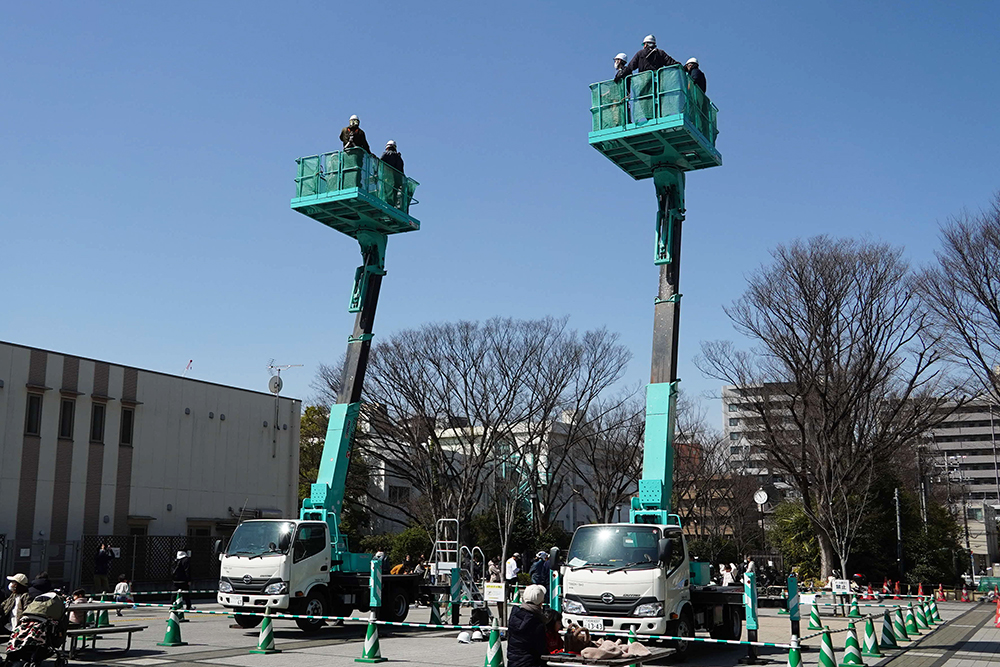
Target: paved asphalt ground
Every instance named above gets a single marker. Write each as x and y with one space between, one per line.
966 639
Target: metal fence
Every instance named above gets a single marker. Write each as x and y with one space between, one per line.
148 560
31 557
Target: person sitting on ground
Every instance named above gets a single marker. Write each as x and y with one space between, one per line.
123 591
353 136
696 74
553 628
526 640
12 607
40 585
78 618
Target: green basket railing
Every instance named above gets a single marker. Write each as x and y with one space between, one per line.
354 168
667 94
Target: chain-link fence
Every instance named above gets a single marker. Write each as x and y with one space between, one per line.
148 560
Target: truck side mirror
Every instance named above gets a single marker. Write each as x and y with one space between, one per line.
664 549
217 547
284 541
554 557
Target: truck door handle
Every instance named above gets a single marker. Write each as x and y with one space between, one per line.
323 569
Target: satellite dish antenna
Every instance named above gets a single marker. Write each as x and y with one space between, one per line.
274 384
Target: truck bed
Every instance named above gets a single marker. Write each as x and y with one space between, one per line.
711 595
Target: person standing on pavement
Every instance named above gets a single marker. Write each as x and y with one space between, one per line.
102 565
182 577
510 574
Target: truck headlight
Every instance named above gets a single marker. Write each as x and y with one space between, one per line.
276 589
650 609
225 586
573 607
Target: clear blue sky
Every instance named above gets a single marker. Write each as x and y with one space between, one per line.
147 161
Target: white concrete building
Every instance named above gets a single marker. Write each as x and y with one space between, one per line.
89 447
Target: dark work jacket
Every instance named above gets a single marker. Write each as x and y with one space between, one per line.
698 77
394 160
646 59
102 561
539 573
526 641
354 138
39 586
182 570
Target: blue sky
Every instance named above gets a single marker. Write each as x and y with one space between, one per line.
147 161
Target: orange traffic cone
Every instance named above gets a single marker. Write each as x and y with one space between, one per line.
895 594
965 593
940 594
920 590
996 621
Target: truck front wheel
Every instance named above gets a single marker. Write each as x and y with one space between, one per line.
683 628
315 605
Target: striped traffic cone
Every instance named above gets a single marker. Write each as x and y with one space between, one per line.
517 595
855 612
371 652
900 626
631 640
173 635
921 617
435 614
888 636
494 650
935 613
929 612
965 594
827 658
784 599
794 653
265 642
814 622
91 621
920 590
179 605
895 592
911 622
941 597
869 647
996 619
852 652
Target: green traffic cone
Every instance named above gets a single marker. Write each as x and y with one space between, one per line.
371 652
937 614
265 643
435 614
91 621
173 636
827 658
179 605
814 621
899 626
517 595
911 622
869 648
852 652
784 597
632 640
918 612
855 612
494 650
929 613
794 654
888 636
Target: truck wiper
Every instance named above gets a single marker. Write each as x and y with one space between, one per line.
626 566
590 565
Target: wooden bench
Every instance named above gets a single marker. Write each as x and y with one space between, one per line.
82 634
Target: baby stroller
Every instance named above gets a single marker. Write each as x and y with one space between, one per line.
40 634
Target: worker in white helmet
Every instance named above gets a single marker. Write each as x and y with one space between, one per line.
620 61
647 58
696 74
353 136
393 178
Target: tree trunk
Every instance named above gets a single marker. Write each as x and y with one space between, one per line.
828 556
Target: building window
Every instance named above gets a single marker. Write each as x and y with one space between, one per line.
734 421
97 414
33 415
199 531
66 410
128 417
734 436
399 495
974 513
733 407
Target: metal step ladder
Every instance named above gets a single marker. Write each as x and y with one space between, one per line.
445 553
470 587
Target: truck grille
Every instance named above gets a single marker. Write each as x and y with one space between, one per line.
618 607
255 587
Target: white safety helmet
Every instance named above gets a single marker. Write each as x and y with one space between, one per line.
692 61
542 554
477 636
649 39
390 143
181 554
464 638
354 117
621 56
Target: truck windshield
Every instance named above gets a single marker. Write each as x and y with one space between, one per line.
614 547
260 538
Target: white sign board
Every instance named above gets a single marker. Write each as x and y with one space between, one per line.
493 592
116 551
25 553
841 587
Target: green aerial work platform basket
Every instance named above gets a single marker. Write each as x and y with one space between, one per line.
352 190
652 120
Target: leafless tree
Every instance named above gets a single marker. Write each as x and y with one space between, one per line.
845 371
962 293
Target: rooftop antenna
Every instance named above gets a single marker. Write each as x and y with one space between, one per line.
274 386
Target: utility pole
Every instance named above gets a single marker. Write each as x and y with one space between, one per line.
923 491
899 537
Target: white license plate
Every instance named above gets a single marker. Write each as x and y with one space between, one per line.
593 624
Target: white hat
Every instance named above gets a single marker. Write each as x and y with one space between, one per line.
354 117
477 636
390 143
19 578
649 39
621 56
464 638
692 60
542 554
181 554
